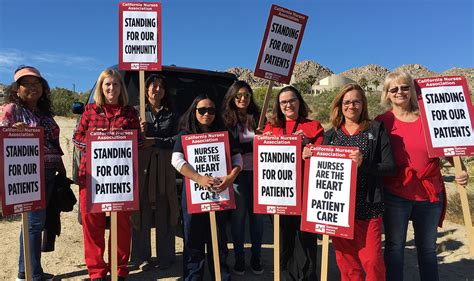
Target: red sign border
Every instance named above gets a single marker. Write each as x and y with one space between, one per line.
114 206
339 231
276 11
279 209
148 66
38 132
439 151
213 206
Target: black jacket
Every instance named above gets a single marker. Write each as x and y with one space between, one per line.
380 162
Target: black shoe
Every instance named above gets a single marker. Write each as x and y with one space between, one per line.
46 276
256 266
239 267
146 266
99 279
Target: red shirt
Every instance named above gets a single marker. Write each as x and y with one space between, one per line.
108 117
418 177
311 129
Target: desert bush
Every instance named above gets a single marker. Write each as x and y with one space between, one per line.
62 100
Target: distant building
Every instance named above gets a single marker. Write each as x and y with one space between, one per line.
330 82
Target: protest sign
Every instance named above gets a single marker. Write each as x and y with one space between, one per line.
139 36
277 180
22 180
209 155
112 178
329 192
280 44
447 115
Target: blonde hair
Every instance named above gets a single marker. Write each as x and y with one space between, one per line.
405 77
99 97
337 118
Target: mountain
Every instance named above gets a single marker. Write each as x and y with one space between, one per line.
371 72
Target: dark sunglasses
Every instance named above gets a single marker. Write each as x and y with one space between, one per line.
208 110
238 96
402 89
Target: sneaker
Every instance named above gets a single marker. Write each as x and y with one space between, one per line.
256 266
239 267
46 276
146 266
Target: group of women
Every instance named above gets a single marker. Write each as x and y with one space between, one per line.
396 180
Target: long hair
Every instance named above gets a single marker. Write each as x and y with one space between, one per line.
189 122
99 97
231 115
44 102
337 118
277 118
405 77
166 101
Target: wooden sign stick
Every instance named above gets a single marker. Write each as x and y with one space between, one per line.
215 245
324 258
141 94
276 247
113 245
26 246
263 113
465 206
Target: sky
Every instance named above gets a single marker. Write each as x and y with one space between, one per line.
72 41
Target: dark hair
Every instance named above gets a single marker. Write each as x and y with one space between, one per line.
167 100
189 123
278 119
336 116
231 115
43 104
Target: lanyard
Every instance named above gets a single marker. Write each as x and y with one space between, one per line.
294 128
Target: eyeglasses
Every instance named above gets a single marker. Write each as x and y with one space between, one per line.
238 96
29 85
355 103
290 101
204 110
402 88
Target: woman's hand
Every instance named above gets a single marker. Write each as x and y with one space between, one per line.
142 126
223 183
304 139
206 182
306 152
356 156
20 125
462 178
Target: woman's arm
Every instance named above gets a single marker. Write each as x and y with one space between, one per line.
183 167
386 166
462 177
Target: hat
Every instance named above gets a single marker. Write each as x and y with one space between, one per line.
26 71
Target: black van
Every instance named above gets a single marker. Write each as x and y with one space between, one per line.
184 84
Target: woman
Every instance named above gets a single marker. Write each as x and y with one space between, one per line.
417 191
201 118
289 117
157 180
240 116
109 112
352 127
28 104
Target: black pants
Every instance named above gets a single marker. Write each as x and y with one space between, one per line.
297 250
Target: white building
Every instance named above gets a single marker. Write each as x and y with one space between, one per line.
330 82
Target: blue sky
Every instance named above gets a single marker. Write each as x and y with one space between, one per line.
71 41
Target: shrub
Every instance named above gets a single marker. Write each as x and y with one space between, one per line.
62 100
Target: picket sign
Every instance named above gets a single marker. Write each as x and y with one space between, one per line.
113 245
276 247
141 79
268 95
465 207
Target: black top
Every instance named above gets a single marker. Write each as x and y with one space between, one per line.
162 126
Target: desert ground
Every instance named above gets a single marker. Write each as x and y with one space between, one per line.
67 261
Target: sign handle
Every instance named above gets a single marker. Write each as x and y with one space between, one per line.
465 207
141 78
276 244
26 246
324 258
215 245
265 106
113 245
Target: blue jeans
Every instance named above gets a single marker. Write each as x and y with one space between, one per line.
197 236
243 191
425 217
36 221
